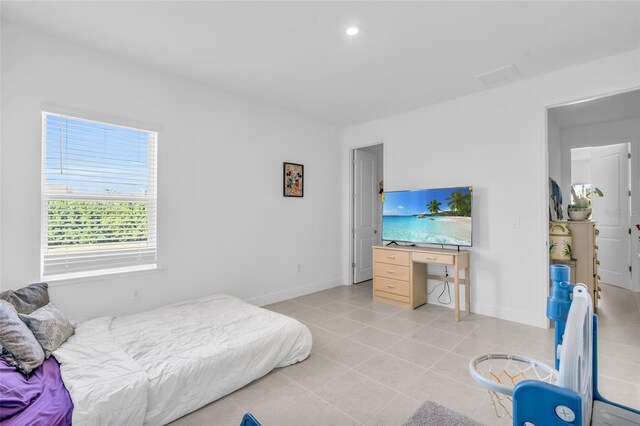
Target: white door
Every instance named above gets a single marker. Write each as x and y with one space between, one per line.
610 173
365 214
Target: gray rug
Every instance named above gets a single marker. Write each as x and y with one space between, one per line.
432 414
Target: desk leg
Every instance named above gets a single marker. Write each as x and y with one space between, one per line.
467 289
456 291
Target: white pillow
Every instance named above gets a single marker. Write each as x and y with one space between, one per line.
49 326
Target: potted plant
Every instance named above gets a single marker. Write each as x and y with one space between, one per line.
581 207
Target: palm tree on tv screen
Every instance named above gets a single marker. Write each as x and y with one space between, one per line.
460 203
434 206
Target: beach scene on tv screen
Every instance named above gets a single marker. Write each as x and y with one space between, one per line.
430 216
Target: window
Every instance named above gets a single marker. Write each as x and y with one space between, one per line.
98 198
580 190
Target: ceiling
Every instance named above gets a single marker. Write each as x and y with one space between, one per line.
296 55
609 108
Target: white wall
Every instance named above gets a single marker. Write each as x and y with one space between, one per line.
496 141
223 223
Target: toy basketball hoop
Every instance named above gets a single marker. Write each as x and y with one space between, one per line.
500 373
531 392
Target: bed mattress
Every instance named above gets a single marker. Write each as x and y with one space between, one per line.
173 360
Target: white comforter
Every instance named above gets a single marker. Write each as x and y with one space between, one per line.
157 366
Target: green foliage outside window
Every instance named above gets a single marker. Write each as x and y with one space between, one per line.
75 222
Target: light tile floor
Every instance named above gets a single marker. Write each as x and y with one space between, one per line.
374 364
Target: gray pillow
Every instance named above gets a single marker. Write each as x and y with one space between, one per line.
29 298
49 326
19 346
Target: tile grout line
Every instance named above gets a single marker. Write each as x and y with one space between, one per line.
315 394
429 369
353 369
349 369
348 336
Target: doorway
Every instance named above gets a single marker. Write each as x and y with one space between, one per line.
367 172
589 142
596 143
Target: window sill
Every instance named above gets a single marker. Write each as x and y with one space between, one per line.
77 278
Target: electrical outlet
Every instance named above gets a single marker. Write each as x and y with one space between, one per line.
137 294
515 222
299 268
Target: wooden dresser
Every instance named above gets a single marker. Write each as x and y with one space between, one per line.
392 278
400 275
584 250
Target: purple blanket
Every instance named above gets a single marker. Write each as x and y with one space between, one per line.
40 399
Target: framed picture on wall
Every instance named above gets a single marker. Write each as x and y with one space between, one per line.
293 180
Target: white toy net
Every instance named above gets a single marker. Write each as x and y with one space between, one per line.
500 373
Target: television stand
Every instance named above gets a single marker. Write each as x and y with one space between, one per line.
400 275
392 242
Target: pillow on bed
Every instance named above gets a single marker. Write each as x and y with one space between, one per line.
19 346
29 298
49 326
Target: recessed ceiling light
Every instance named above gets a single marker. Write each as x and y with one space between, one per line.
352 31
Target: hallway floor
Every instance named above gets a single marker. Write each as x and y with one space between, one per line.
619 345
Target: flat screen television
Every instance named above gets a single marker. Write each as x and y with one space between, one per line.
428 216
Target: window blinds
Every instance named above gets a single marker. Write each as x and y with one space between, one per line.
98 197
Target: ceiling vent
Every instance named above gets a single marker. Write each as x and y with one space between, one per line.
499 75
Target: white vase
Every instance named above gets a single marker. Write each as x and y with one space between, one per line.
579 213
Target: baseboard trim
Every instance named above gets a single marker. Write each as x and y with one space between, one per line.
507 314
267 299
499 312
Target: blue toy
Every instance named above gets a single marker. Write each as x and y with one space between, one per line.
570 397
249 420
559 302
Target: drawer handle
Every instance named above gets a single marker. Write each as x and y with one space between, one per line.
389 271
391 286
431 258
391 257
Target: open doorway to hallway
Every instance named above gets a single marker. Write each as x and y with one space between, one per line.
366 223
595 143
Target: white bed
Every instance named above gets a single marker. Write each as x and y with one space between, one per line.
154 367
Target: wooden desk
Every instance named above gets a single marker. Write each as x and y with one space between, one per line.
400 275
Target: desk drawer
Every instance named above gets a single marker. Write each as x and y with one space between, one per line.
401 288
395 272
445 259
391 256
399 300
